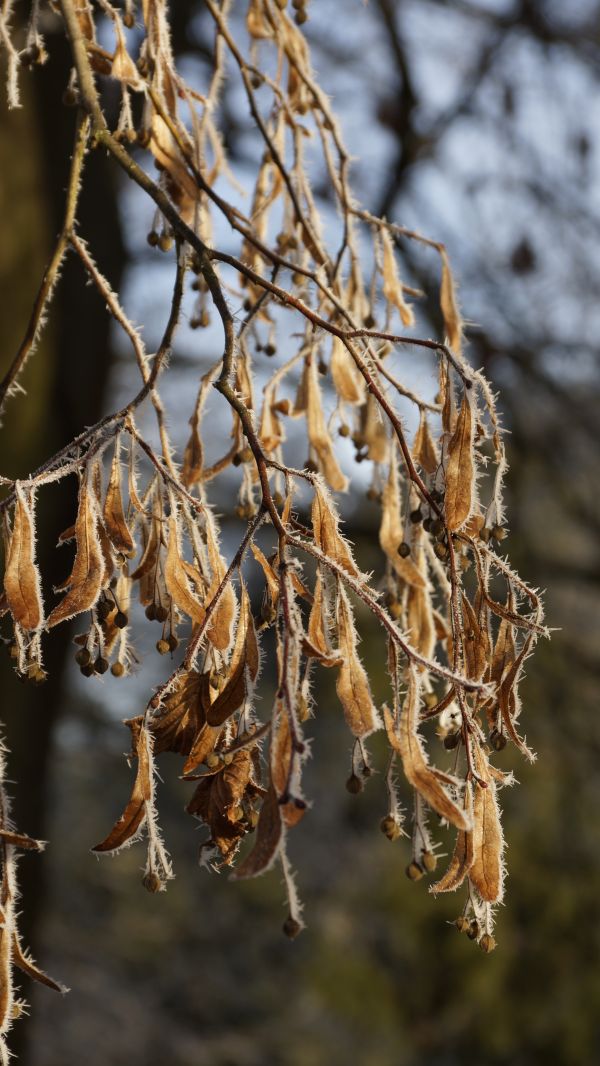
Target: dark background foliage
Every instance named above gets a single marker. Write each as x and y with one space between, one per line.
476 122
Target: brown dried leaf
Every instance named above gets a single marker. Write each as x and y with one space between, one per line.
223 616
23 960
281 763
176 578
181 717
243 669
460 469
129 825
391 532
352 685
453 322
114 516
459 866
327 535
87 576
268 839
488 843
424 778
22 579
217 801
318 433
347 379
424 449
392 286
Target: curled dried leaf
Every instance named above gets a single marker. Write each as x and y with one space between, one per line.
21 578
87 576
460 468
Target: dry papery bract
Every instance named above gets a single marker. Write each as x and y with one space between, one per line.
456 623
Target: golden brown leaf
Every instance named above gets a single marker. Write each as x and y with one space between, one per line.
217 802
453 323
129 825
424 449
327 535
347 379
223 615
391 531
318 433
460 469
176 578
392 286
488 843
21 579
424 778
87 576
23 960
462 857
114 516
243 668
352 685
268 839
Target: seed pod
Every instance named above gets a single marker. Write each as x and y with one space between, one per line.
117 669
487 943
414 872
270 350
473 930
485 534
390 828
354 784
101 665
87 670
451 741
162 647
121 620
462 924
437 527
83 657
291 927
161 613
152 882
404 550
173 642
429 861
416 516
498 533
153 238
440 550
344 430
150 612
165 242
497 740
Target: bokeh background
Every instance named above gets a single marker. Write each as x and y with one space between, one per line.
477 122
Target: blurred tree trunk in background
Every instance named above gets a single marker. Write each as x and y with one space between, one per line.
65 383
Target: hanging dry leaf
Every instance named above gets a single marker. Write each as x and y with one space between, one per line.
327 535
424 778
453 322
488 843
460 469
87 576
176 578
243 669
114 515
392 286
424 449
347 379
318 433
268 839
128 828
352 685
21 578
391 530
462 858
220 630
